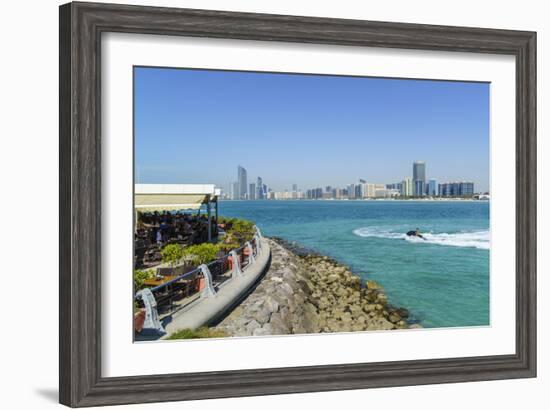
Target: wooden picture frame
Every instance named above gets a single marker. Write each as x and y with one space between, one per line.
81 27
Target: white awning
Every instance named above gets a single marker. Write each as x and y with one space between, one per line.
171 197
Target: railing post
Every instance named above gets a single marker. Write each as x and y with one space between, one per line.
236 264
258 232
152 322
208 290
251 258
209 221
258 242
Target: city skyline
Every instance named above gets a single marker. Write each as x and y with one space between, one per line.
307 130
416 186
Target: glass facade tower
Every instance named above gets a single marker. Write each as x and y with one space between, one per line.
419 178
259 188
432 187
242 180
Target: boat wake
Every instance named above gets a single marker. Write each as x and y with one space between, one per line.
475 239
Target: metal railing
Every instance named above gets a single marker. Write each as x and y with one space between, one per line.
203 281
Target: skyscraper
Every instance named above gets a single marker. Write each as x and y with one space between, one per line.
432 187
294 187
242 180
419 178
235 190
407 187
259 189
252 191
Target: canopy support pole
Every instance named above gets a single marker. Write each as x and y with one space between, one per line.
217 233
209 221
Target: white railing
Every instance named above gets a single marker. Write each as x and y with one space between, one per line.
146 296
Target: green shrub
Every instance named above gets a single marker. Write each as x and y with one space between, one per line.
238 231
225 220
227 247
200 333
243 227
203 253
141 276
171 253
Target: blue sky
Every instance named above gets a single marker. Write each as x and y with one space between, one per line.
196 126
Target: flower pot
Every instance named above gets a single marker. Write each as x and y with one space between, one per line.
201 283
139 320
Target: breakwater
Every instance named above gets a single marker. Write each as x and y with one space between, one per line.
304 292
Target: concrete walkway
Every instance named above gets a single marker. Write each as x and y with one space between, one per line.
208 310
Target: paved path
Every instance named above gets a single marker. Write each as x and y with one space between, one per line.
207 310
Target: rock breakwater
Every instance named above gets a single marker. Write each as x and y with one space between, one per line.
309 293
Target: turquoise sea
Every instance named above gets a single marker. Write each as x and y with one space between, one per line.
443 281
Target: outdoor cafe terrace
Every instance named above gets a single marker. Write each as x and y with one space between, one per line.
175 219
156 230
163 217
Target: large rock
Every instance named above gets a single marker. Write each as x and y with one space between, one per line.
394 317
404 313
381 298
278 325
261 314
380 323
263 331
251 326
372 285
332 278
271 304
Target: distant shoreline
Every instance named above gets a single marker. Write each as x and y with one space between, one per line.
361 200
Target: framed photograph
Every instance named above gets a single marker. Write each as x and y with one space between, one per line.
259 204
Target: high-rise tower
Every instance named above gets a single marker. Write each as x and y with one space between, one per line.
242 180
259 189
419 178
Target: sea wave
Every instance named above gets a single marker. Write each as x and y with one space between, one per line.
474 239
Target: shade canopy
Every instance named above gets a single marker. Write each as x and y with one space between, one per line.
172 197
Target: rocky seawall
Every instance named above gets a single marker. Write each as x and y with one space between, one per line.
305 292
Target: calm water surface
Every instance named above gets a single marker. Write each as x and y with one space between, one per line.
443 281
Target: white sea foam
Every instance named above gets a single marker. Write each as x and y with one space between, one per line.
475 239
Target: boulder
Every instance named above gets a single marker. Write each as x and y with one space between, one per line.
346 318
262 331
271 304
261 314
332 278
380 324
338 313
402 324
404 313
372 285
278 325
394 317
370 295
381 298
355 282
356 310
369 307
